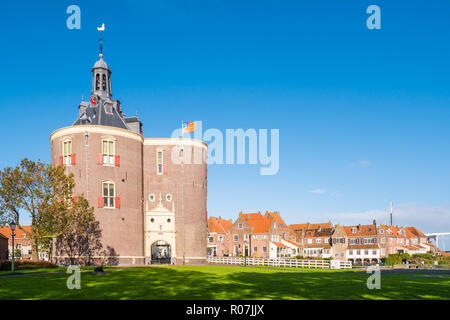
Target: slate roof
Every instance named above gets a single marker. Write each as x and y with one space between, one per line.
97 115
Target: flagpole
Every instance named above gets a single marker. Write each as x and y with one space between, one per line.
182 190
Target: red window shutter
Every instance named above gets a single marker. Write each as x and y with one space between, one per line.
164 168
117 161
117 202
100 202
99 158
60 160
74 199
72 158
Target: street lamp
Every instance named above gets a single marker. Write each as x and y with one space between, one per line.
13 228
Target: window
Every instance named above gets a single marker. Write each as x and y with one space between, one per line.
67 152
350 252
168 220
374 252
240 226
358 252
383 240
318 240
159 162
108 152
265 249
245 236
366 252
151 197
236 237
97 81
211 239
168 197
255 249
104 83
381 231
108 108
353 230
108 194
310 241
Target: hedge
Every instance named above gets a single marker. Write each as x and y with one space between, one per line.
26 264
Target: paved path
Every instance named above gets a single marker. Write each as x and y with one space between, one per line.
29 274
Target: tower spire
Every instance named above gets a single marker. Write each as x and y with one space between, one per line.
101 46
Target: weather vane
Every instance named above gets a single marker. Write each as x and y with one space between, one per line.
102 28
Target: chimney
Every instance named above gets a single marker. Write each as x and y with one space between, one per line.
374 222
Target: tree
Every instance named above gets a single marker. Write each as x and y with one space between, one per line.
41 190
17 253
82 240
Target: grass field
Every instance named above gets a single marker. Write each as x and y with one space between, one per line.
223 282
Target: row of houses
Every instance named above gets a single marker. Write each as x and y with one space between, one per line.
266 235
22 244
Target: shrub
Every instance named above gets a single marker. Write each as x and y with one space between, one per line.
26 264
394 259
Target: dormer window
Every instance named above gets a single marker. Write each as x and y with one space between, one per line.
109 108
353 230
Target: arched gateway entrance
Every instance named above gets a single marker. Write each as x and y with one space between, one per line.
161 253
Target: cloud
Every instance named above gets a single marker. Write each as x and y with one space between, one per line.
318 191
361 164
335 194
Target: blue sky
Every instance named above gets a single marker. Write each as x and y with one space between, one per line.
363 114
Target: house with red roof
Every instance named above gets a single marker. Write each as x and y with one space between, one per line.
262 236
22 242
3 247
218 237
362 244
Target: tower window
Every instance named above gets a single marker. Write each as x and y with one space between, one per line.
97 81
108 194
108 152
67 152
104 83
159 162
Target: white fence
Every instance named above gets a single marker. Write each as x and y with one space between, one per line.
291 263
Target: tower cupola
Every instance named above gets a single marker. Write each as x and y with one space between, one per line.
101 77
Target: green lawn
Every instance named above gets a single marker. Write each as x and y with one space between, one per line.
220 282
